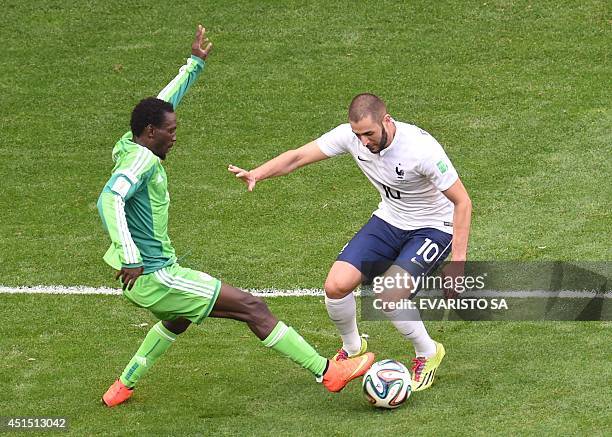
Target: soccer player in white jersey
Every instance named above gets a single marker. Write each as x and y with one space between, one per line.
424 214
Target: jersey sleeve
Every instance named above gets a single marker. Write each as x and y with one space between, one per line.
336 141
129 175
187 75
436 166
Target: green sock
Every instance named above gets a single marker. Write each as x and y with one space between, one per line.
157 341
285 340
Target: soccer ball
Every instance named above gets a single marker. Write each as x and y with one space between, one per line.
387 384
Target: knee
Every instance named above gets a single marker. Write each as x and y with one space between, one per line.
256 309
335 288
177 326
259 317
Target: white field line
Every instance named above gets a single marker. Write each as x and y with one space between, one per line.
273 292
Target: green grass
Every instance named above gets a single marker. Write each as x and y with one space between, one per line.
516 91
506 378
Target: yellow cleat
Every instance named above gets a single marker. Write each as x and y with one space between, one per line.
424 369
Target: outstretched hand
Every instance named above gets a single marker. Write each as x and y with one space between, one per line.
246 176
201 40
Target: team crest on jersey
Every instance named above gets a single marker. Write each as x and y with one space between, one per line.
399 171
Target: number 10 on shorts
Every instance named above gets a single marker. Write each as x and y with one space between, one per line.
428 250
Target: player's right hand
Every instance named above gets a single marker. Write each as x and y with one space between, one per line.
246 176
129 275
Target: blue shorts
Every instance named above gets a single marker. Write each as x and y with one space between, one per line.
378 245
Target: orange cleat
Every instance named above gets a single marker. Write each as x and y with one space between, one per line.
340 373
116 394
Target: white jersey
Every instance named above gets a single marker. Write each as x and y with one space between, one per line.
410 175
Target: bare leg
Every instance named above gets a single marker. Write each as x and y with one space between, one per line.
177 326
236 304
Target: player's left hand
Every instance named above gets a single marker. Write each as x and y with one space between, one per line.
454 270
200 41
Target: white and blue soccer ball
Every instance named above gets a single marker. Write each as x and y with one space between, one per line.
387 384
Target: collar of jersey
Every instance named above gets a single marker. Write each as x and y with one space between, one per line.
131 140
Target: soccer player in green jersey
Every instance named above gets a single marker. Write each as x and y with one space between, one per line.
134 209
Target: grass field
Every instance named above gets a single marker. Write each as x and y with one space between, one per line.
516 91
507 378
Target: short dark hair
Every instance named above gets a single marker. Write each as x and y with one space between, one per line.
149 111
367 105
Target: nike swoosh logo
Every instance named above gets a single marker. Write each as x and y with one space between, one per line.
413 259
364 360
361 159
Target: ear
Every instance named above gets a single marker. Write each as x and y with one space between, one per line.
150 130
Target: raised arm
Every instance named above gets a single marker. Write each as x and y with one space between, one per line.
188 73
283 164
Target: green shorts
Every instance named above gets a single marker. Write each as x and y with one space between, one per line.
174 292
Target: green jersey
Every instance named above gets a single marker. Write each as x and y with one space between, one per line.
134 202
